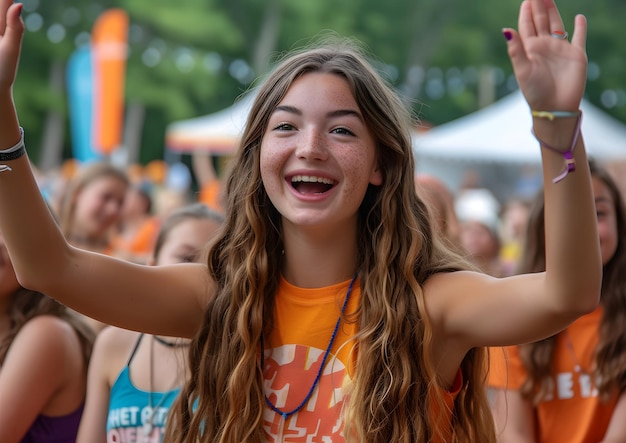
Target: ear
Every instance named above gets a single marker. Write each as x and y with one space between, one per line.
376 177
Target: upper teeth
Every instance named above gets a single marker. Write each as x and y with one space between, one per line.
311 179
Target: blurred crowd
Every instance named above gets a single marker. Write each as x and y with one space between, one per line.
138 214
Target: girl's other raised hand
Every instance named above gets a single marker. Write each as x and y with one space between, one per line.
550 70
11 31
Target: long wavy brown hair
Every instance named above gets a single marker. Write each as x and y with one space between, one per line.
610 364
397 252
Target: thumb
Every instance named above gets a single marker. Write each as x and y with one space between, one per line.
515 48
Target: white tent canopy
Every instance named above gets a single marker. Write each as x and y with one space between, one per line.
501 133
498 133
495 146
217 133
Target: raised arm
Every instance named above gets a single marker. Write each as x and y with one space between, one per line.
552 73
167 300
476 310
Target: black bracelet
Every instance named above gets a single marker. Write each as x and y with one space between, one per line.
12 155
14 152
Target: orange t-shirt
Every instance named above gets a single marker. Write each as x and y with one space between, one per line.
142 242
574 413
303 323
211 195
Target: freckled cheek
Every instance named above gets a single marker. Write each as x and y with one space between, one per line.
270 173
358 168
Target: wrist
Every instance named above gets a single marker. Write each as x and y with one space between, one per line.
566 150
557 132
14 152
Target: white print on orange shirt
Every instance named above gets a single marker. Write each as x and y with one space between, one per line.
289 372
572 385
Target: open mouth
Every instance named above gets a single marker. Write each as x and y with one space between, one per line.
308 184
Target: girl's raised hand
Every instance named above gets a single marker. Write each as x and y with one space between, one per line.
550 70
11 31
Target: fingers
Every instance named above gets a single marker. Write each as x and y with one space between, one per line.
539 18
4 7
13 27
554 17
579 38
10 42
515 47
526 25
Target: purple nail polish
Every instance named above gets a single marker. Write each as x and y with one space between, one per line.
508 35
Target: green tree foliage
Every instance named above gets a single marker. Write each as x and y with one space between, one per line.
194 57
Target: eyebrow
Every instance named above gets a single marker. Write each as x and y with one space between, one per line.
603 200
331 114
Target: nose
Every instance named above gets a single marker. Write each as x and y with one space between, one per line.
113 208
312 145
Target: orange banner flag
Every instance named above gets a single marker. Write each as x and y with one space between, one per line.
109 43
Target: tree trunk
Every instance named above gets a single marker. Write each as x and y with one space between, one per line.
54 126
135 118
268 36
429 18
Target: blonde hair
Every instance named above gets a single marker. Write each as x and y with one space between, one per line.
397 252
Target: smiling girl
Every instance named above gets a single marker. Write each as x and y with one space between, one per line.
329 309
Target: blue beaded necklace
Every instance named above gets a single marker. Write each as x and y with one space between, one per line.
286 414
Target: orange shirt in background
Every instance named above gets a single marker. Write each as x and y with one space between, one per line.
574 413
211 195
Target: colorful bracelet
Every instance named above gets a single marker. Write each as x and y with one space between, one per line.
568 155
551 115
15 151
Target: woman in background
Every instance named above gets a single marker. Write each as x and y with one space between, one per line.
44 352
91 206
138 372
565 388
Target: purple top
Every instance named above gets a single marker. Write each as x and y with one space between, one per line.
62 429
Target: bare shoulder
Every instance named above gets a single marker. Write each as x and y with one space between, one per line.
47 330
115 343
113 338
448 294
444 287
448 297
45 340
111 352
